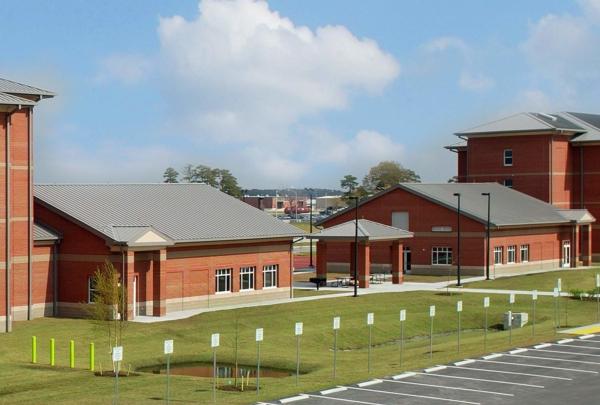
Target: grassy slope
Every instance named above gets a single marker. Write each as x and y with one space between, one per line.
25 383
571 279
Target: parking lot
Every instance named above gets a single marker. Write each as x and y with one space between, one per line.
565 371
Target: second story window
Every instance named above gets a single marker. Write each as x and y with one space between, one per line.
508 157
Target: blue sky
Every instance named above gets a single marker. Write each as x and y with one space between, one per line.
288 93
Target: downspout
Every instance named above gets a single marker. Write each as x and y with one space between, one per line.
7 257
29 218
55 279
551 172
122 283
581 183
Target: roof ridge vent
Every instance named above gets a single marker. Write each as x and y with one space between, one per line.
549 116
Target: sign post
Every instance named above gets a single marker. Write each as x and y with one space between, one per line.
402 320
117 357
559 288
459 308
298 332
336 327
431 316
598 297
486 305
259 338
534 297
370 321
555 295
168 350
214 343
511 299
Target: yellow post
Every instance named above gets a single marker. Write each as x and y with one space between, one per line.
34 349
52 352
72 354
92 356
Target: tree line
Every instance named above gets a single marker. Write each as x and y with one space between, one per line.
221 179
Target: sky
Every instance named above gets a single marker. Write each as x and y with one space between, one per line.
288 93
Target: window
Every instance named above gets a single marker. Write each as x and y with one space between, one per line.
270 276
508 183
223 280
400 220
508 157
441 229
524 253
92 289
498 254
441 255
511 253
247 278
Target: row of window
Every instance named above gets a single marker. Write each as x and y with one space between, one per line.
247 278
443 255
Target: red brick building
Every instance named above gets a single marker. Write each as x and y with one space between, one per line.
552 157
525 233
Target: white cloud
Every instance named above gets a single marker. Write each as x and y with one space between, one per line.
442 44
475 82
125 68
591 8
246 73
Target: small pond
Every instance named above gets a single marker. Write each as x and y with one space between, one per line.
223 370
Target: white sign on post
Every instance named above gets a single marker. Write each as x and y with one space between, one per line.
214 340
336 322
512 298
555 293
459 306
168 346
509 318
432 311
402 315
298 329
559 284
117 354
486 302
534 295
597 280
259 334
370 318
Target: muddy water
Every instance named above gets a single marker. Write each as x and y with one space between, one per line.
223 370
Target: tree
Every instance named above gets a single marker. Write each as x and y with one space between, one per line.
387 174
349 183
108 302
207 175
170 175
228 183
189 174
221 179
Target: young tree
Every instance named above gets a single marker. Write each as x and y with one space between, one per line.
349 183
387 174
170 175
228 183
207 175
189 174
108 302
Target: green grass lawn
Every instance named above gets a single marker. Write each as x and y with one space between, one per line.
418 278
300 292
22 382
571 279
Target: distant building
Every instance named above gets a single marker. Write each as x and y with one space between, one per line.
277 203
329 202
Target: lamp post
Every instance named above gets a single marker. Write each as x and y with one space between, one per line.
458 242
487 236
355 245
310 213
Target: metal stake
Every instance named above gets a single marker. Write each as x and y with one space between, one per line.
369 359
214 376
459 332
401 342
257 367
485 331
297 357
431 338
533 320
116 401
168 378
335 333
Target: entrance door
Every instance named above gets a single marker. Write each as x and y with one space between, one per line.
135 296
406 264
566 253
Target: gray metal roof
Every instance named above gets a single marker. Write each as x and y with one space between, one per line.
580 216
9 99
43 233
367 230
181 212
8 86
508 207
591 124
525 122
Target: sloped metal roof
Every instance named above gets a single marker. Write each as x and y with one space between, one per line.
367 230
9 99
182 212
9 86
524 122
581 216
591 124
43 233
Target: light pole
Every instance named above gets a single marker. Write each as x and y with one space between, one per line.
487 236
458 242
355 245
310 213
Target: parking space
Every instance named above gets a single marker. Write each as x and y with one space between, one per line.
565 371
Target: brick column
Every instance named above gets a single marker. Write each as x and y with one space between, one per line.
322 259
587 246
129 274
159 283
364 264
397 264
574 246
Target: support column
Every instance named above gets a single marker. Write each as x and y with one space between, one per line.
397 262
129 274
575 246
364 264
587 246
322 259
159 283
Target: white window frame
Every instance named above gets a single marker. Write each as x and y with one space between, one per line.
498 249
524 253
505 157
506 182
511 251
226 274
274 270
91 290
436 251
250 272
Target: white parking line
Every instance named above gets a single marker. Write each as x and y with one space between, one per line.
293 399
538 366
554 359
352 401
517 351
402 394
581 346
371 382
550 377
436 368
563 352
584 337
462 363
492 356
333 390
543 345
452 388
560 342
484 380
